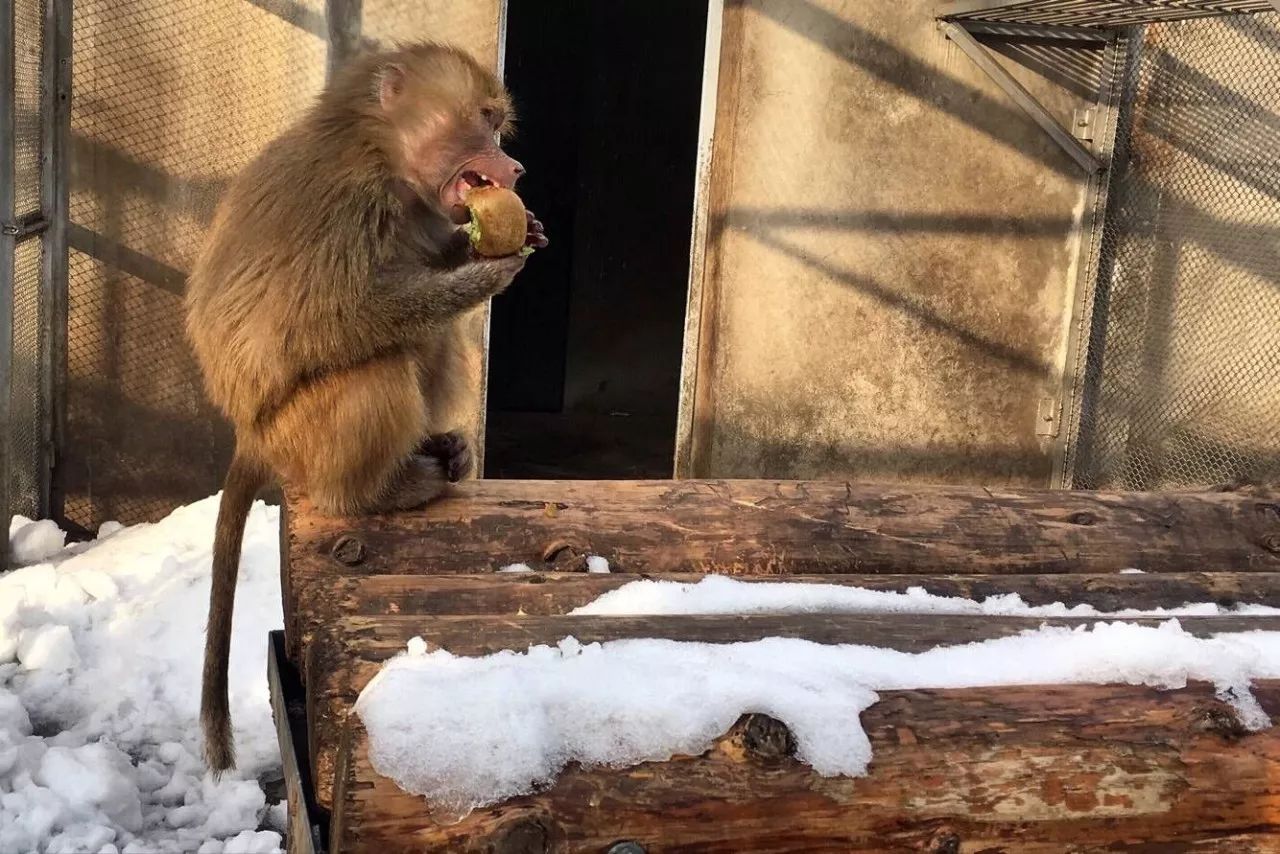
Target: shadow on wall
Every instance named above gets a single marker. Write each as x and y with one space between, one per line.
993 116
130 458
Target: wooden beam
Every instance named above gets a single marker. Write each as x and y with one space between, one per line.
345 655
1027 769
557 593
773 528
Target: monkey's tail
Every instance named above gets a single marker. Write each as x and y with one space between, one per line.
245 477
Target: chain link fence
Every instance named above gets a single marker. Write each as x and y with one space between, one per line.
24 441
171 98
1182 374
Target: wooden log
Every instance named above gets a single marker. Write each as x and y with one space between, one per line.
773 528
1027 769
555 593
288 708
347 654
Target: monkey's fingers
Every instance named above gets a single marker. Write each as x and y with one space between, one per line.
536 236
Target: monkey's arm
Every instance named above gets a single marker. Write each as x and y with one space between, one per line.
412 296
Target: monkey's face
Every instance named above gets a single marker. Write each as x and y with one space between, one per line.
446 131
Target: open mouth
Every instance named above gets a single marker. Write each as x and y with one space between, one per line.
455 192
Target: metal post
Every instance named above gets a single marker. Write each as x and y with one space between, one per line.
8 230
343 18
55 111
1024 99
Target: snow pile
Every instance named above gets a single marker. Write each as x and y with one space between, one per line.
468 732
718 594
33 541
100 658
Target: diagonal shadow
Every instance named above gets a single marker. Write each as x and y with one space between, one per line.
888 64
1016 359
1189 110
295 13
120 257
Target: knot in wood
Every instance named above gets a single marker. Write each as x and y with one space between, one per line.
564 556
1271 542
1220 721
945 843
524 836
766 738
348 551
627 847
1084 517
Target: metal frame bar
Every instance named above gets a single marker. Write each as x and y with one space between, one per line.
1100 15
1024 99
55 73
344 21
8 242
1083 36
1088 269
699 239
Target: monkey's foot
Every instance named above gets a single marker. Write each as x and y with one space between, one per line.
453 452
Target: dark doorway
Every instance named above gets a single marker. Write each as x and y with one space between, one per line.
584 348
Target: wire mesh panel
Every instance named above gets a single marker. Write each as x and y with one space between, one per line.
1096 13
171 97
1183 371
27 359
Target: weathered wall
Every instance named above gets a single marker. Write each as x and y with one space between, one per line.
890 253
170 98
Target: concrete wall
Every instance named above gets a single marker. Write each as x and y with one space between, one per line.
170 98
889 260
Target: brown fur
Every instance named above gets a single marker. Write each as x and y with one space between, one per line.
326 311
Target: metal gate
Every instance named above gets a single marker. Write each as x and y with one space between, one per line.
34 79
1182 372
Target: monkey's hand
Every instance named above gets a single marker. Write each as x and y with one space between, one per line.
411 296
536 237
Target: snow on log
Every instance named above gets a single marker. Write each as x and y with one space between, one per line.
347 654
1032 769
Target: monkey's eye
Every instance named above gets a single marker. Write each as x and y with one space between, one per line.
492 115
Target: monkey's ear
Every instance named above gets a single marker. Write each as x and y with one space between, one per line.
391 82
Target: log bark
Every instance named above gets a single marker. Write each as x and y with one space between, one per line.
557 593
1028 769
774 528
347 654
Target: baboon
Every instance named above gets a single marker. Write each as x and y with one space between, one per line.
325 309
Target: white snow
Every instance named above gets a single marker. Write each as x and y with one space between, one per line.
597 564
516 568
100 652
101 643
30 541
468 732
718 594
